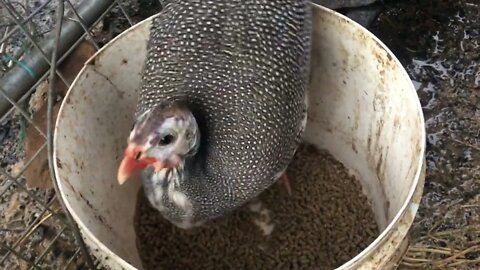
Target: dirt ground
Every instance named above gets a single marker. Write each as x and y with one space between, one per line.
438 43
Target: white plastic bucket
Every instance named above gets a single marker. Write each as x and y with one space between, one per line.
363 109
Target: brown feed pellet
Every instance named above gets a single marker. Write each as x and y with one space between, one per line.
325 222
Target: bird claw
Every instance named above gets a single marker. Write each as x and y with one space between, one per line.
286 183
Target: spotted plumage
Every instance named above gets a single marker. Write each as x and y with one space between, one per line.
241 68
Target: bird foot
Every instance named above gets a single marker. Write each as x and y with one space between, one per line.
286 183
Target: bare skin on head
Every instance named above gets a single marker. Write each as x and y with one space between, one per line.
161 138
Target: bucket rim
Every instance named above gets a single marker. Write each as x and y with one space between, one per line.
383 236
379 240
83 228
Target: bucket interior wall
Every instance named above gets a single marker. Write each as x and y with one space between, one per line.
361 110
91 135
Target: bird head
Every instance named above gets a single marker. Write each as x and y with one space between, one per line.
161 138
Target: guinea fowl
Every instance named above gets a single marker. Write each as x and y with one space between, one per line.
223 104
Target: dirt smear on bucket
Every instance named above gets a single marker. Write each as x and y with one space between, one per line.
439 42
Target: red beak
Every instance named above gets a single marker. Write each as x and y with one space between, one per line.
131 163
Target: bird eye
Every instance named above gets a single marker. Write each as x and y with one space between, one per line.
167 139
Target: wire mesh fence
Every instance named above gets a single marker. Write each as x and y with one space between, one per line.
35 231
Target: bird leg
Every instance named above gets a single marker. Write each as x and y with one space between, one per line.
285 182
